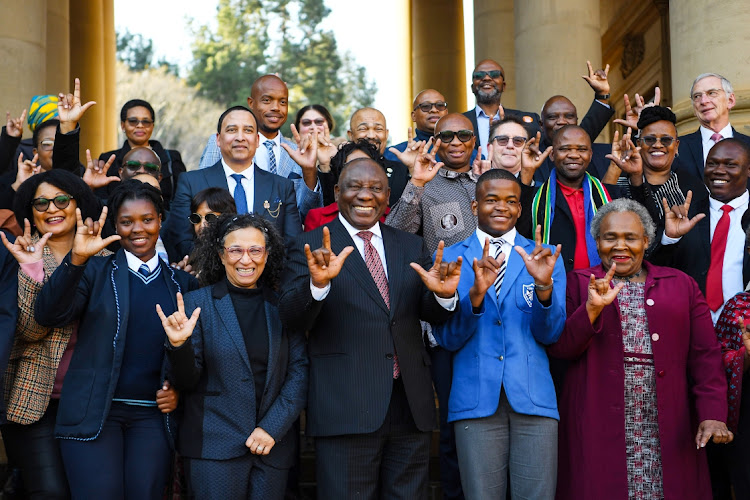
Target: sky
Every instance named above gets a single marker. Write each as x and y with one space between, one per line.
172 39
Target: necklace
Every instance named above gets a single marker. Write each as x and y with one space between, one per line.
628 277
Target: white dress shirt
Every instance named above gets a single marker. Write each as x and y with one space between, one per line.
261 152
247 183
708 143
483 127
377 242
509 238
134 263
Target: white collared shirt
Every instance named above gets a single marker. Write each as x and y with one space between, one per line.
708 143
134 263
734 254
247 183
509 238
483 126
261 152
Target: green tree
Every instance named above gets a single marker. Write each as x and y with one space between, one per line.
137 52
255 37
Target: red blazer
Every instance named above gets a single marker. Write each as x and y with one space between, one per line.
592 416
321 216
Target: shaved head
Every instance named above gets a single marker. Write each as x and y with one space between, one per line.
268 101
369 124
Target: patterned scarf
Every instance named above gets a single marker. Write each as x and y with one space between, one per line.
543 208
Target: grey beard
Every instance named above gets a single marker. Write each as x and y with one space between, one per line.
492 97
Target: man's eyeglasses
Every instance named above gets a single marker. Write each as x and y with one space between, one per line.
502 140
712 93
198 218
135 121
427 106
650 140
47 145
235 253
134 166
494 74
307 122
42 204
447 136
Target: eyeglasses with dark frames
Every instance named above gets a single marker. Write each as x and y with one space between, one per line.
447 136
494 74
198 218
650 140
135 121
135 166
502 140
425 107
61 201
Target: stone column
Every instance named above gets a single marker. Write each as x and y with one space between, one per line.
399 62
438 57
112 112
553 42
58 47
494 38
23 42
710 38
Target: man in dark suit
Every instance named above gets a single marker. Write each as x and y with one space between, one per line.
360 297
712 96
254 190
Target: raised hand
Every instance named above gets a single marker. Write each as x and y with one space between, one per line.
413 148
485 274
597 80
425 165
540 263
184 265
326 148
712 429
480 166
306 154
167 398
442 278
24 251
324 265
627 156
26 169
532 158
601 294
260 442
88 239
95 175
633 113
676 221
70 110
14 126
178 326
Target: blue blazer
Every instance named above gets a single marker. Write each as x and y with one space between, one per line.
212 368
503 345
277 191
97 295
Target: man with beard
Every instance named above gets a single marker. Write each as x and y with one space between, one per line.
268 101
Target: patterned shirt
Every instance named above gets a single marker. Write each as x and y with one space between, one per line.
441 209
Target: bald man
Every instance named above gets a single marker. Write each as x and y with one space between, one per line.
268 100
428 107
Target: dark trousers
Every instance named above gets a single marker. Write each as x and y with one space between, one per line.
130 459
442 377
35 451
390 463
245 477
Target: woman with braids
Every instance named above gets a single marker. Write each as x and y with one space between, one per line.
243 376
114 440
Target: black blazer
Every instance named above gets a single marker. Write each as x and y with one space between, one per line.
269 188
690 159
97 295
352 334
212 369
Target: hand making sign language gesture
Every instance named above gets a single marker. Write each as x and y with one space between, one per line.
425 165
597 80
178 326
443 277
601 294
632 113
70 110
676 221
485 274
95 175
480 166
532 158
324 265
306 155
24 251
14 126
540 264
413 148
88 239
26 169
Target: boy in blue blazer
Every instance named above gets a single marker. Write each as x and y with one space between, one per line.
502 399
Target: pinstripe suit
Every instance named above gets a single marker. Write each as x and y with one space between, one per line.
353 402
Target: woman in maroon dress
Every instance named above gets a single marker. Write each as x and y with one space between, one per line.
645 390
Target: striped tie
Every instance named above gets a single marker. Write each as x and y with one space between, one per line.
144 270
271 157
501 273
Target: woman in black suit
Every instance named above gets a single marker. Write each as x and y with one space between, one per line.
115 442
242 376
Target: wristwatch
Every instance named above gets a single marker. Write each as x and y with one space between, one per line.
544 288
602 97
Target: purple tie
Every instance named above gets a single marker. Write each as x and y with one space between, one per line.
716 137
375 265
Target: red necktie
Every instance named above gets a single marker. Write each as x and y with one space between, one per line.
714 289
375 265
716 137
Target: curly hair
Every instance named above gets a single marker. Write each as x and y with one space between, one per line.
653 114
133 189
622 205
206 257
65 181
341 157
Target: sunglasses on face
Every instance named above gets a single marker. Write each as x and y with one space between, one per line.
494 74
135 166
427 106
650 140
502 140
198 218
135 121
318 121
42 204
447 136
235 253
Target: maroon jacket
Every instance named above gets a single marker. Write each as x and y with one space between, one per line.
690 387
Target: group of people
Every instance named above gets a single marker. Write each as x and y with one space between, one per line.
577 309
